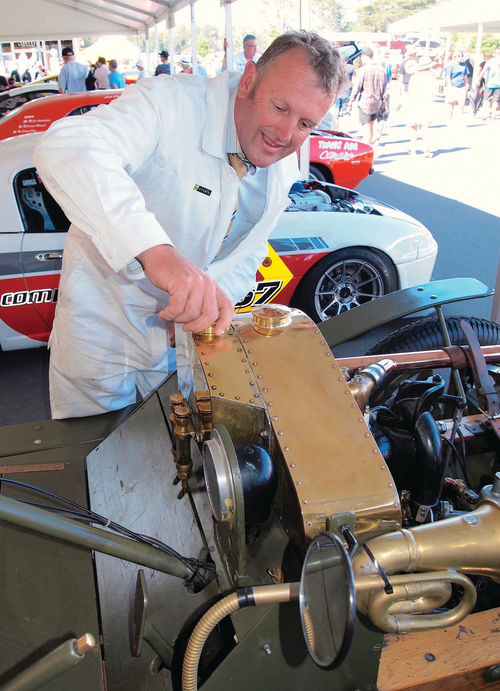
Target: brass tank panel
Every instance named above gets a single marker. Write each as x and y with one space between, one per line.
330 456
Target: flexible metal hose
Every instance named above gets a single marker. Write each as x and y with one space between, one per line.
202 630
260 595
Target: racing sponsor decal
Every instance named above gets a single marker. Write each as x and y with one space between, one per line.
203 190
275 275
30 123
337 150
28 303
28 297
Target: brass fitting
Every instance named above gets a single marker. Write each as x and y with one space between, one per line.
204 413
183 431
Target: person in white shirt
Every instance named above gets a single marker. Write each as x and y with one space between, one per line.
142 72
248 54
101 74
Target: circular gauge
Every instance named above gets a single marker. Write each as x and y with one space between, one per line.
218 474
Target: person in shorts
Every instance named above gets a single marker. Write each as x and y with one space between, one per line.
491 75
370 90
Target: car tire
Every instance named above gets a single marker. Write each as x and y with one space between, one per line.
344 279
425 334
315 173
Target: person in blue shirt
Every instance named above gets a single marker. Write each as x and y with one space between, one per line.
73 75
456 76
116 79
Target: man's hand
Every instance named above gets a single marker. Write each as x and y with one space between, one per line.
196 301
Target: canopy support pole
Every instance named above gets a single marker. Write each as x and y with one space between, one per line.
229 34
194 39
477 55
171 44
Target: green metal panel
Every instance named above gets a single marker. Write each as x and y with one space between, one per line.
47 593
399 304
273 655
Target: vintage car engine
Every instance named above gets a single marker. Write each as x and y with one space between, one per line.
270 472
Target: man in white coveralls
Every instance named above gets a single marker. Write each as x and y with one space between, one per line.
148 187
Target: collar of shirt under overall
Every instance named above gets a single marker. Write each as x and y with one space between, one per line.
251 190
232 142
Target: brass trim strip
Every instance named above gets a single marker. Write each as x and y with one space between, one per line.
31 468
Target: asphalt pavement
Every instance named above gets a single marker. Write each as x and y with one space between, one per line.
454 193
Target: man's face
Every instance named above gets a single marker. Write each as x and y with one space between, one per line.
250 48
274 118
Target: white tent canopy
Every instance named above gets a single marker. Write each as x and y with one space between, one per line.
453 15
24 20
117 47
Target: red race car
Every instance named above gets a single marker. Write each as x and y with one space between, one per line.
334 157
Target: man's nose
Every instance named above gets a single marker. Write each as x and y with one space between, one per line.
285 129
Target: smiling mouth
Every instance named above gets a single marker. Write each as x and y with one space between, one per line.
268 142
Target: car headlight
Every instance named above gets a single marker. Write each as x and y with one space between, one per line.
428 244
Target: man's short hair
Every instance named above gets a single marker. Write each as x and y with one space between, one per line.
323 58
67 52
249 37
101 60
367 51
112 63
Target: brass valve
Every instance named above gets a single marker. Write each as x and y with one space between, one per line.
183 431
204 413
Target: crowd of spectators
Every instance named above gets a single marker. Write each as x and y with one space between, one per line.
415 82
416 90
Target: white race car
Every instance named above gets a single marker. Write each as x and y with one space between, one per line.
17 96
333 249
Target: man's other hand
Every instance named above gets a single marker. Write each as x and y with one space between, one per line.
196 301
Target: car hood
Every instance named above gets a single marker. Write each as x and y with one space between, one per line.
315 196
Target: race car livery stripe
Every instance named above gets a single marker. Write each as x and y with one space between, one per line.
22 263
10 264
288 245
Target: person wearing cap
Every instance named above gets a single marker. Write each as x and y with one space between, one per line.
150 184
164 66
101 73
73 74
140 67
185 67
370 91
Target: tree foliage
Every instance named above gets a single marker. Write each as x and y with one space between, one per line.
378 14
328 14
488 45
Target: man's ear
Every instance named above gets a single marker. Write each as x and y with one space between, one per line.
247 81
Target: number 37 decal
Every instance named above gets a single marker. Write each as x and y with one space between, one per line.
260 294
